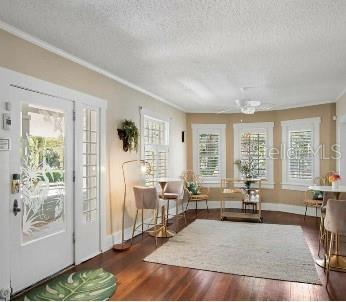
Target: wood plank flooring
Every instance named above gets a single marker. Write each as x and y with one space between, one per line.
139 280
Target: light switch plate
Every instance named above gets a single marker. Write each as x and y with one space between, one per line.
6 121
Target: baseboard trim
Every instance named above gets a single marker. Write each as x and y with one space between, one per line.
213 204
266 206
116 237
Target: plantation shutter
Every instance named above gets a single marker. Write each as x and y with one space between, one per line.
300 157
253 145
209 155
156 148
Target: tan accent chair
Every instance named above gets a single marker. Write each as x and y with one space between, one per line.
309 201
335 225
174 191
190 176
146 198
203 196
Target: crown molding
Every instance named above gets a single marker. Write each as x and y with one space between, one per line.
36 41
340 95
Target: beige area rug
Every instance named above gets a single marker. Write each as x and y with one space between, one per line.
258 250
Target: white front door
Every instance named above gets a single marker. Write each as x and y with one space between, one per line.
42 154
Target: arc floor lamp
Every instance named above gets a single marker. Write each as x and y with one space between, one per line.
144 168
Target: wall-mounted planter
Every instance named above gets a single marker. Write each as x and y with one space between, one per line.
129 134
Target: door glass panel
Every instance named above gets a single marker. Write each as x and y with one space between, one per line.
42 171
90 166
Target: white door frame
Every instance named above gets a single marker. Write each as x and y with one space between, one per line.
7 78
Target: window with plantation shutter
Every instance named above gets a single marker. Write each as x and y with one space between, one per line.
209 155
209 151
300 158
252 145
156 149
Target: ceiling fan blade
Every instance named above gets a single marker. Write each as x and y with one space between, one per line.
266 106
228 110
254 103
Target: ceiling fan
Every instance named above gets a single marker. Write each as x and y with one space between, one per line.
247 105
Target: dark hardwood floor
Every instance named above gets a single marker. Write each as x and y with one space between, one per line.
139 280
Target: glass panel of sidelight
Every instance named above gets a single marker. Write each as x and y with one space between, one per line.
42 171
90 165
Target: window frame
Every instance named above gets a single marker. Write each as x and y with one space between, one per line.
219 129
155 147
267 128
307 124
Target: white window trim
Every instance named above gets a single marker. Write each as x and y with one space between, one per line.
155 116
266 127
213 128
286 126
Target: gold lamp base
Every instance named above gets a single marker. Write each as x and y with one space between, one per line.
121 247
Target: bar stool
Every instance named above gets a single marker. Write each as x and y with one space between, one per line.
335 225
146 198
174 191
323 236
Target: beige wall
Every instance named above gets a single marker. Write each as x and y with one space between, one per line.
327 137
123 102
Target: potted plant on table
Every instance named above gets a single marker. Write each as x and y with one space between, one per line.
334 179
246 169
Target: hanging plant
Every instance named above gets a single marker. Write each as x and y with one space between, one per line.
129 134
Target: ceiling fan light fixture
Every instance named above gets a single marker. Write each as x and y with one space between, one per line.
247 109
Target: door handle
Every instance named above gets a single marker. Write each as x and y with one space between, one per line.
16 208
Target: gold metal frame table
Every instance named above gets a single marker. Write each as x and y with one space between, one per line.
254 216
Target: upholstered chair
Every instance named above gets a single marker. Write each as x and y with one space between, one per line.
174 191
146 198
202 195
335 225
312 198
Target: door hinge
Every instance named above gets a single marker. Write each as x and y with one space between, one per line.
74 176
73 115
74 237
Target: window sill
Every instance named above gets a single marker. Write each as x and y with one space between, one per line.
264 185
218 184
295 187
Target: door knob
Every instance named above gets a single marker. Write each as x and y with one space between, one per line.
16 208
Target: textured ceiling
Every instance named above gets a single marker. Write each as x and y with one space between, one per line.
198 53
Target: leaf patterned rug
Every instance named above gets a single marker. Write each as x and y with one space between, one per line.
87 285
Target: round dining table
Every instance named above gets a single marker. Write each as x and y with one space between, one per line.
337 262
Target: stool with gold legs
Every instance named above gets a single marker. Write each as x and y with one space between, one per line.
335 225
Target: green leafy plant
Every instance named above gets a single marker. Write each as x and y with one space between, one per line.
89 285
129 134
193 187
